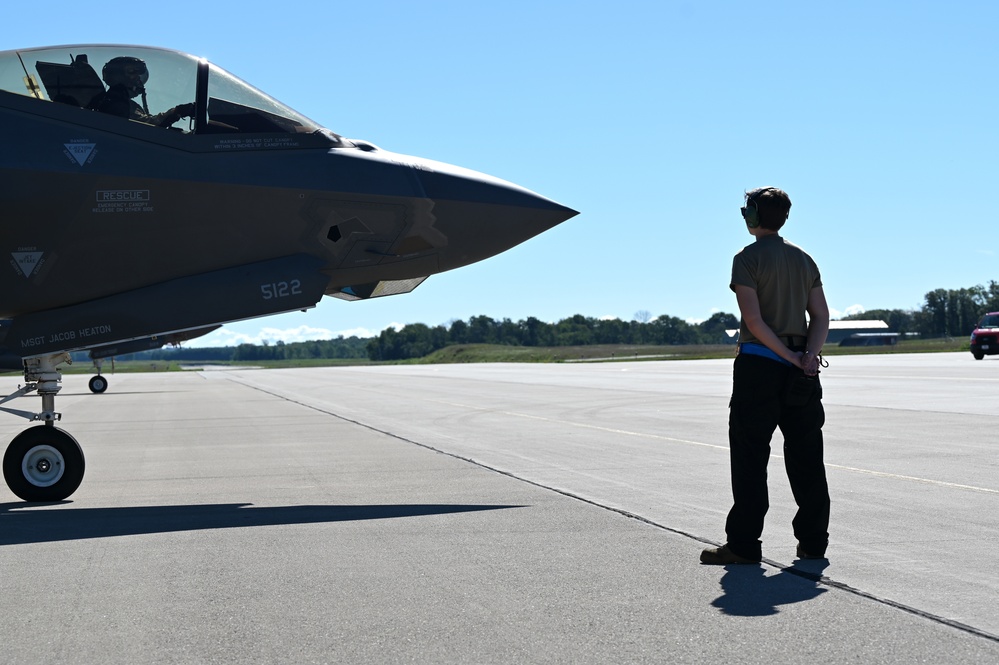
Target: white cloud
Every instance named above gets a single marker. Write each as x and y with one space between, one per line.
353 332
268 335
849 311
854 309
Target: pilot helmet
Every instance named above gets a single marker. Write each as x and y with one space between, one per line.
128 72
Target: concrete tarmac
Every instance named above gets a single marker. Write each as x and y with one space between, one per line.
501 514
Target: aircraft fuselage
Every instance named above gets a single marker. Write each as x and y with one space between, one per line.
122 229
116 229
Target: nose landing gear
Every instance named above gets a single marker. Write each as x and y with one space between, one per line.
43 463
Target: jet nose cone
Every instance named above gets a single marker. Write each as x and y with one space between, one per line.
482 215
476 231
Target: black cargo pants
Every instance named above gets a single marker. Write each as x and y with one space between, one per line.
767 394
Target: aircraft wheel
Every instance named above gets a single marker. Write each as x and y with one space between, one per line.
44 464
98 384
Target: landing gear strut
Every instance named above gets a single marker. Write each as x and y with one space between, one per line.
42 463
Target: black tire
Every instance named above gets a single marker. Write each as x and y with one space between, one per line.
43 464
978 356
98 384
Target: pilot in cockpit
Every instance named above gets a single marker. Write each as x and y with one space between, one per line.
126 78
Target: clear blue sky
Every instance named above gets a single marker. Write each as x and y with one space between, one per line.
651 118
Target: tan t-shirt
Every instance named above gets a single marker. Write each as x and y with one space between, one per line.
782 275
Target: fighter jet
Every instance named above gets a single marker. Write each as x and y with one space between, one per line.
164 195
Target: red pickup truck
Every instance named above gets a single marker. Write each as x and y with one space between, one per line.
985 338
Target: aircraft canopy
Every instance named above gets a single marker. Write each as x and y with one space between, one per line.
83 76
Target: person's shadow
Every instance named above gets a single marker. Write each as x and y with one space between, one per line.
748 591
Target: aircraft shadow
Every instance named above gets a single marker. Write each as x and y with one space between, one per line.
21 527
748 591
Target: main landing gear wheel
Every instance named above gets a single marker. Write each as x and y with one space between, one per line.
43 464
98 384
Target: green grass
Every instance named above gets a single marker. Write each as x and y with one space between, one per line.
79 367
126 366
482 353
495 353
941 345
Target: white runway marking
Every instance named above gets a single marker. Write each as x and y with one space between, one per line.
659 437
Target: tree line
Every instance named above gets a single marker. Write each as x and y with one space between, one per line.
418 340
341 347
944 313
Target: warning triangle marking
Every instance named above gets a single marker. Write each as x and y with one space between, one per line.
27 261
80 151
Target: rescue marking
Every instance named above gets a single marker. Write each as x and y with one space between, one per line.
123 200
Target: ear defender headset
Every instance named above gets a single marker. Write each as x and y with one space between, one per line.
751 211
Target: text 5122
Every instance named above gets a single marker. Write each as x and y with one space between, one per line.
280 289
